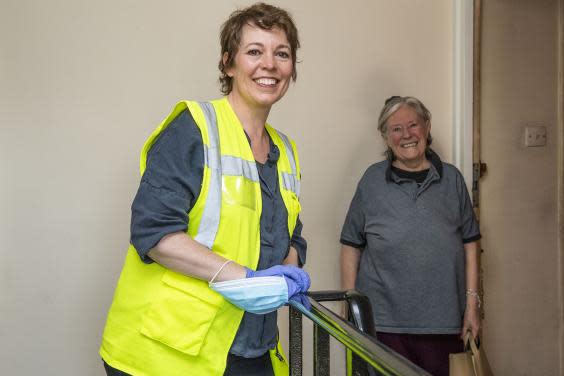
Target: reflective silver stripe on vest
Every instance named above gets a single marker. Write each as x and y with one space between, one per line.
230 166
211 159
209 223
235 166
290 181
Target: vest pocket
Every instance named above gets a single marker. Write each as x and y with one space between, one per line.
240 191
179 318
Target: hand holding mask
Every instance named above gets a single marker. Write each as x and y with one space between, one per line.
297 279
265 290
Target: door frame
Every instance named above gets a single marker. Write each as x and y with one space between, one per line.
463 87
560 175
467 24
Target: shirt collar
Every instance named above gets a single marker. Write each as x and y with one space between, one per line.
436 164
273 154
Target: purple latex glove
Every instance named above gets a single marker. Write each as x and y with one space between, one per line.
297 279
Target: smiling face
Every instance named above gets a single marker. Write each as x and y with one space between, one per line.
406 134
262 67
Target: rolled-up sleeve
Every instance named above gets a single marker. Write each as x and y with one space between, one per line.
299 243
170 185
469 227
353 233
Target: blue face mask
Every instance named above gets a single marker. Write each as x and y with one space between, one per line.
258 295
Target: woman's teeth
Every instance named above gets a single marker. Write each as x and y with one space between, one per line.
266 81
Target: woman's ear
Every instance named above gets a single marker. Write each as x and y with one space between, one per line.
224 59
384 132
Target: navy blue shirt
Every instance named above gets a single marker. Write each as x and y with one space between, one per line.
169 188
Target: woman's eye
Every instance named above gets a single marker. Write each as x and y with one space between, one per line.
253 52
283 54
413 125
396 129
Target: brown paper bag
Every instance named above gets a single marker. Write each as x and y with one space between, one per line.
472 362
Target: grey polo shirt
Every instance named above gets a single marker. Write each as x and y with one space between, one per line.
168 190
412 265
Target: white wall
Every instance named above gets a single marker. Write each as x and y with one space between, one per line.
83 83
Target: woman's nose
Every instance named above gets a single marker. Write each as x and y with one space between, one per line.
405 132
268 61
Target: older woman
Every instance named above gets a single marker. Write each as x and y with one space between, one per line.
215 234
409 243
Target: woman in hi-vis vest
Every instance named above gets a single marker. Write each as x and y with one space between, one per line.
216 243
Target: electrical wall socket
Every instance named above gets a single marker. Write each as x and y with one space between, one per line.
535 135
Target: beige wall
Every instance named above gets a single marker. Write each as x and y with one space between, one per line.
83 83
519 195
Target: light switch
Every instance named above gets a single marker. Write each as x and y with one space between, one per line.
535 135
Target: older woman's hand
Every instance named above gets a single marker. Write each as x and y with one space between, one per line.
472 321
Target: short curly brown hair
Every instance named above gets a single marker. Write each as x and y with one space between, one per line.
264 16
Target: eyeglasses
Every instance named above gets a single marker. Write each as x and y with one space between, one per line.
400 129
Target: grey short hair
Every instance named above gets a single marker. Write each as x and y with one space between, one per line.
391 106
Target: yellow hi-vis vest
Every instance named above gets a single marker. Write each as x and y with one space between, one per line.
163 323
